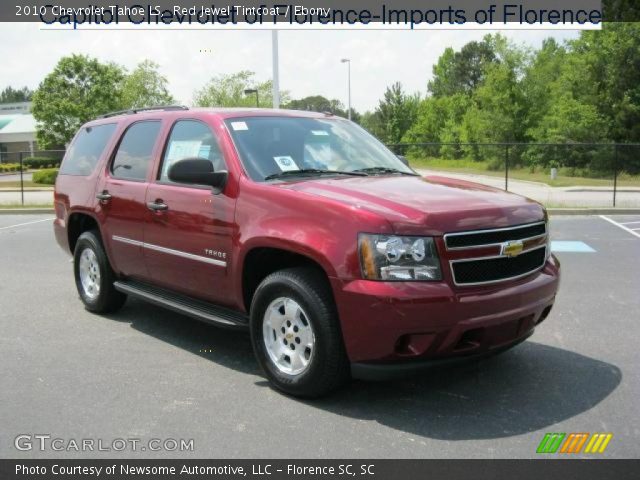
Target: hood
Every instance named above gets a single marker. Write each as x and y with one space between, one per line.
431 205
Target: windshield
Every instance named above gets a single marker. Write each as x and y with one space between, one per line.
279 147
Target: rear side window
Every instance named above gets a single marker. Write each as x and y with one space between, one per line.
86 149
133 156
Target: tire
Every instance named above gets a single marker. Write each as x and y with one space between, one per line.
94 276
281 306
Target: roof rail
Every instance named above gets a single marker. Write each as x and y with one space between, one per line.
144 109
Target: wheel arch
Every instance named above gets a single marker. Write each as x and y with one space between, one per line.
77 224
260 260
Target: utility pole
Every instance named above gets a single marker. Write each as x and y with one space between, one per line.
276 69
348 62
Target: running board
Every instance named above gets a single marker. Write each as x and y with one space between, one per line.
179 303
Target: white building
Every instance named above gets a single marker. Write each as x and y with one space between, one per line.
17 131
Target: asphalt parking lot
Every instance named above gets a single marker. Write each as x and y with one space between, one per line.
148 373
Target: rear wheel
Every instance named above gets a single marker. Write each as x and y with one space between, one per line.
94 276
296 334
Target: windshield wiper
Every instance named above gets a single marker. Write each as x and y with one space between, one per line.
307 171
384 170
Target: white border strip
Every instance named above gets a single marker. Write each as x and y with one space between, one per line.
620 226
170 251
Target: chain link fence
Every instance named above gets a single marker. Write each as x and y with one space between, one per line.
28 172
557 174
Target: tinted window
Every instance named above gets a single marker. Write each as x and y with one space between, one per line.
191 139
134 152
86 149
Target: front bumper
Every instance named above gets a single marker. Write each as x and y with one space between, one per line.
393 323
388 371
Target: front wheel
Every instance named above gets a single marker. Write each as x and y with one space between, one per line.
296 335
94 276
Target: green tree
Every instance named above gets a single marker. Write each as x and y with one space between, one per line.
318 103
539 83
371 122
612 59
499 109
439 119
394 115
145 86
463 71
77 90
228 91
14 95
562 95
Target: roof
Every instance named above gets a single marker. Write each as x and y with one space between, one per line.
223 113
5 120
252 112
17 124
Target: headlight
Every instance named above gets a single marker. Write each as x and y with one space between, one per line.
394 258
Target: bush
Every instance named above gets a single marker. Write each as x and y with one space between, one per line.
9 167
41 162
46 176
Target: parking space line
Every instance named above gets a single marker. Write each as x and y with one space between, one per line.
628 223
27 223
571 247
619 225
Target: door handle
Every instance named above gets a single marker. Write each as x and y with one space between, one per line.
157 206
104 196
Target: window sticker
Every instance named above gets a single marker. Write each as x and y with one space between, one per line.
203 151
320 133
286 163
239 126
180 149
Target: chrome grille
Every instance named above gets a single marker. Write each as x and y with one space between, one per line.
497 266
484 238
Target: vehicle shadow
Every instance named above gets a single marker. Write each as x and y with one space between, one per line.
229 348
531 387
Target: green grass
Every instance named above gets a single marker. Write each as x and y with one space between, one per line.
482 168
16 184
26 206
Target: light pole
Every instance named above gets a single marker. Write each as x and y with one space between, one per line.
249 91
348 62
276 69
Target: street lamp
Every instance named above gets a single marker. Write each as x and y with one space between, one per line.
348 62
249 91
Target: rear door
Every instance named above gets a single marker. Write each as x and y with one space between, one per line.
121 195
188 238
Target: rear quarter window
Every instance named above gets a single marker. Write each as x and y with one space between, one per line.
86 149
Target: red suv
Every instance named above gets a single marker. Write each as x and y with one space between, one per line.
338 257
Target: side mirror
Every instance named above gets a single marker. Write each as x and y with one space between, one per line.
403 159
198 171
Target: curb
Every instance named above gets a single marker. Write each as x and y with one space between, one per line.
593 211
25 211
26 189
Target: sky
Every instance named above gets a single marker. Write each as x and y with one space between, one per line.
309 60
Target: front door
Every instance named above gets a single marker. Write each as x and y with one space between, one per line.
188 237
121 193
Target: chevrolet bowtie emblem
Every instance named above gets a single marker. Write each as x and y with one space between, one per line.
512 249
